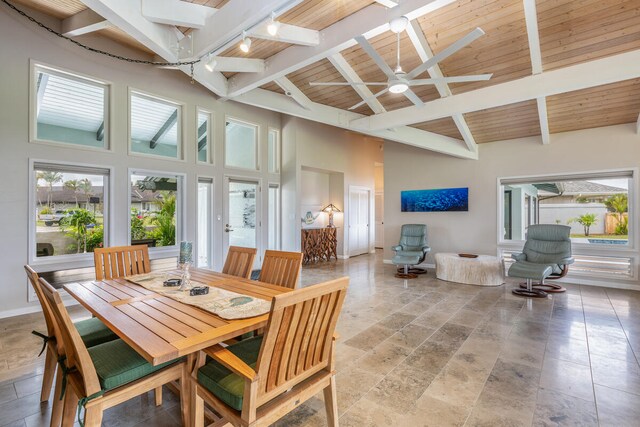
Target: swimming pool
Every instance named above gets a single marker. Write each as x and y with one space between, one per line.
609 241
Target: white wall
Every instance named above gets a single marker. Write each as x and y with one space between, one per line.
24 42
408 168
348 157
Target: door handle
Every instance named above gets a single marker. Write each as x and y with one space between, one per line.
227 228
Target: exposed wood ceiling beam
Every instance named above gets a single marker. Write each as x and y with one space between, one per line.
237 65
202 136
387 3
533 35
544 120
531 19
351 76
369 22
100 132
83 22
235 17
173 118
615 68
287 34
161 39
42 86
336 117
416 35
294 92
176 12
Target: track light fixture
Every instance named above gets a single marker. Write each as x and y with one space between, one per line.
273 26
246 43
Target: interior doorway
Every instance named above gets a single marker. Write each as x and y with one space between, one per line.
359 220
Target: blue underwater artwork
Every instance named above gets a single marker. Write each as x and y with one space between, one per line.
445 200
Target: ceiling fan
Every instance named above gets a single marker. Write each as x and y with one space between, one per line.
399 81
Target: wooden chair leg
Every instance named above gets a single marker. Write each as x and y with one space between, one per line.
158 394
185 390
58 405
70 407
198 411
50 364
331 403
93 416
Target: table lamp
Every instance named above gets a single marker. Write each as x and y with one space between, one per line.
331 209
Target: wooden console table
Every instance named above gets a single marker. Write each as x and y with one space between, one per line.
319 244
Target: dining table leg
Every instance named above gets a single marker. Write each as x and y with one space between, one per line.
190 399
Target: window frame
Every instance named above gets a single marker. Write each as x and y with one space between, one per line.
257 127
211 137
181 207
34 67
212 204
278 150
278 220
68 260
584 248
180 106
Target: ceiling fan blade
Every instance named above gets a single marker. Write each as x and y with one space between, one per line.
364 101
455 79
411 96
347 83
366 46
445 53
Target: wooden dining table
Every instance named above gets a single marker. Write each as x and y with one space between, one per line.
162 329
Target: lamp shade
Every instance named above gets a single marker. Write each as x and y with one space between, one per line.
331 208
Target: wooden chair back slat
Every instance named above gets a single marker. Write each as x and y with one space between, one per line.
281 268
52 325
121 261
75 351
298 336
239 261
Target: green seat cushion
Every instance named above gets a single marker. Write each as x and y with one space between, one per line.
94 332
117 364
223 383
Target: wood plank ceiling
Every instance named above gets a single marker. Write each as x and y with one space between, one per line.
570 31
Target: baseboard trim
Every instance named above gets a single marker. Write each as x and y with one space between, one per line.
35 307
343 256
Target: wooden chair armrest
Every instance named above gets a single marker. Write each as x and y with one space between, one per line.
231 362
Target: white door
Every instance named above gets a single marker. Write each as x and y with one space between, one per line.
379 220
242 217
358 221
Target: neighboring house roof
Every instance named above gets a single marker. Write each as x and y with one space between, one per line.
61 194
587 187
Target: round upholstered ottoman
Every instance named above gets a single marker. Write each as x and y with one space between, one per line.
485 270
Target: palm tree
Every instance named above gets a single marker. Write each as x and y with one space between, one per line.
77 222
86 187
73 185
586 221
617 203
50 178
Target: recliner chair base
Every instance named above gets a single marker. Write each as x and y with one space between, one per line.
413 270
546 287
529 292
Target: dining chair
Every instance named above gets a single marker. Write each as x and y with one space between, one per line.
92 332
281 268
121 261
103 376
257 381
239 261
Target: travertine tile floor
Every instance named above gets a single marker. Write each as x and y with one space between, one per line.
430 353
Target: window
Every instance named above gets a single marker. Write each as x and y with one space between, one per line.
155 201
71 208
274 151
204 136
155 126
241 145
597 206
274 216
69 109
205 221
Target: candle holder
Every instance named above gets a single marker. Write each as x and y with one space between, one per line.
184 263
